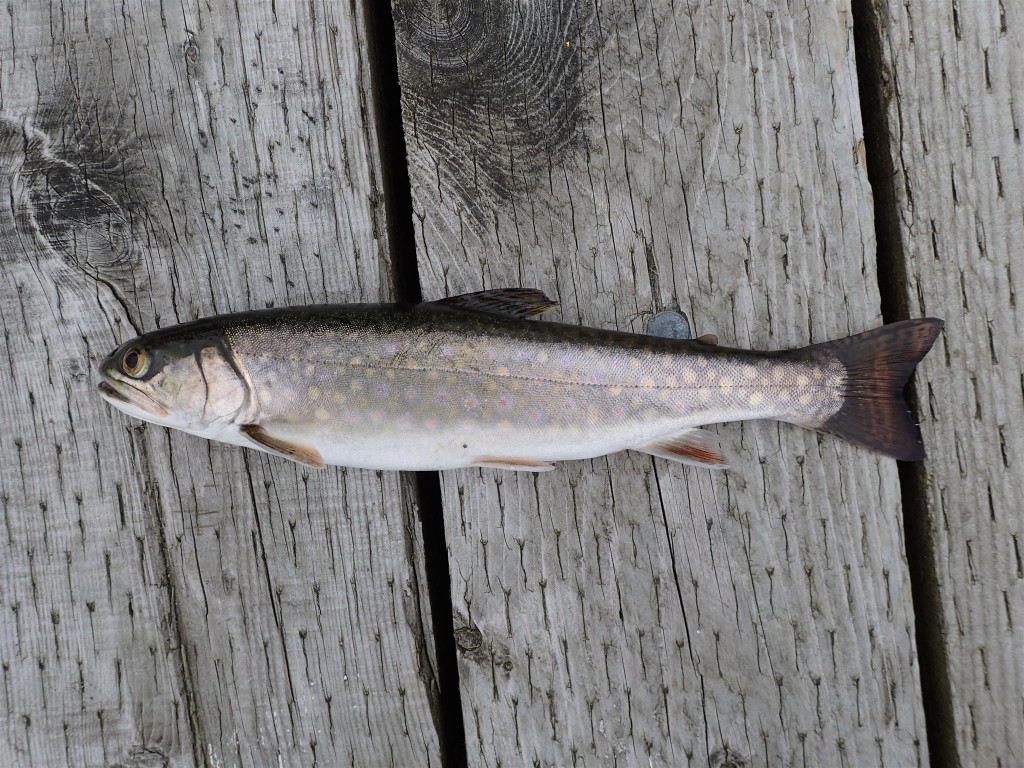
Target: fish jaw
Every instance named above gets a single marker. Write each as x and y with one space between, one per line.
133 401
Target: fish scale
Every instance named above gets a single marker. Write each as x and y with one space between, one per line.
471 381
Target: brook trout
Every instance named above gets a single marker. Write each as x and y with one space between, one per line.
470 381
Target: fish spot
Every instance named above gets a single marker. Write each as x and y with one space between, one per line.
522 354
440 396
704 395
756 398
314 393
404 421
535 384
326 377
412 365
804 400
339 397
818 374
390 349
310 369
376 416
680 406
778 374
615 391
470 402
565 361
502 371
689 377
431 423
541 358
702 362
504 401
389 375
411 393
356 361
290 395
447 351
381 390
591 379
489 354
352 418
534 417
433 375
569 405
802 381
322 414
356 385
468 424
473 375
749 372
504 424
618 410
725 383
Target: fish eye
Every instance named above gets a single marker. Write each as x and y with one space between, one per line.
135 362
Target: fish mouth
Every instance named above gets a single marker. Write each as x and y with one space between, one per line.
121 393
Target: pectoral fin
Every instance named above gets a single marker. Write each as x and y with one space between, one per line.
694 446
513 462
303 454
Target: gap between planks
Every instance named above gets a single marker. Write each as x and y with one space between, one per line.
936 690
405 279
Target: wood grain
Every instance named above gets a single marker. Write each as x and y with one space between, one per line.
954 116
169 601
627 159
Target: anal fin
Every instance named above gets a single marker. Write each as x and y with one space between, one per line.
694 446
303 454
513 462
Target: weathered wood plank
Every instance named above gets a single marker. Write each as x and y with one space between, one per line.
627 158
955 115
168 600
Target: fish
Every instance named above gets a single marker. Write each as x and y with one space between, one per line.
475 381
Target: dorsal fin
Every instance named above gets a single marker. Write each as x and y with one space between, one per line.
510 302
669 325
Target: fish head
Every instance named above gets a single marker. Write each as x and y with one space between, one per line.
174 380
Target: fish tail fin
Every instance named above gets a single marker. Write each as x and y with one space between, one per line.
878 363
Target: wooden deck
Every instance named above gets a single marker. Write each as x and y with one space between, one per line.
783 175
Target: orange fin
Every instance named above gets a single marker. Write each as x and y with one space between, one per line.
694 446
303 454
513 462
510 302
